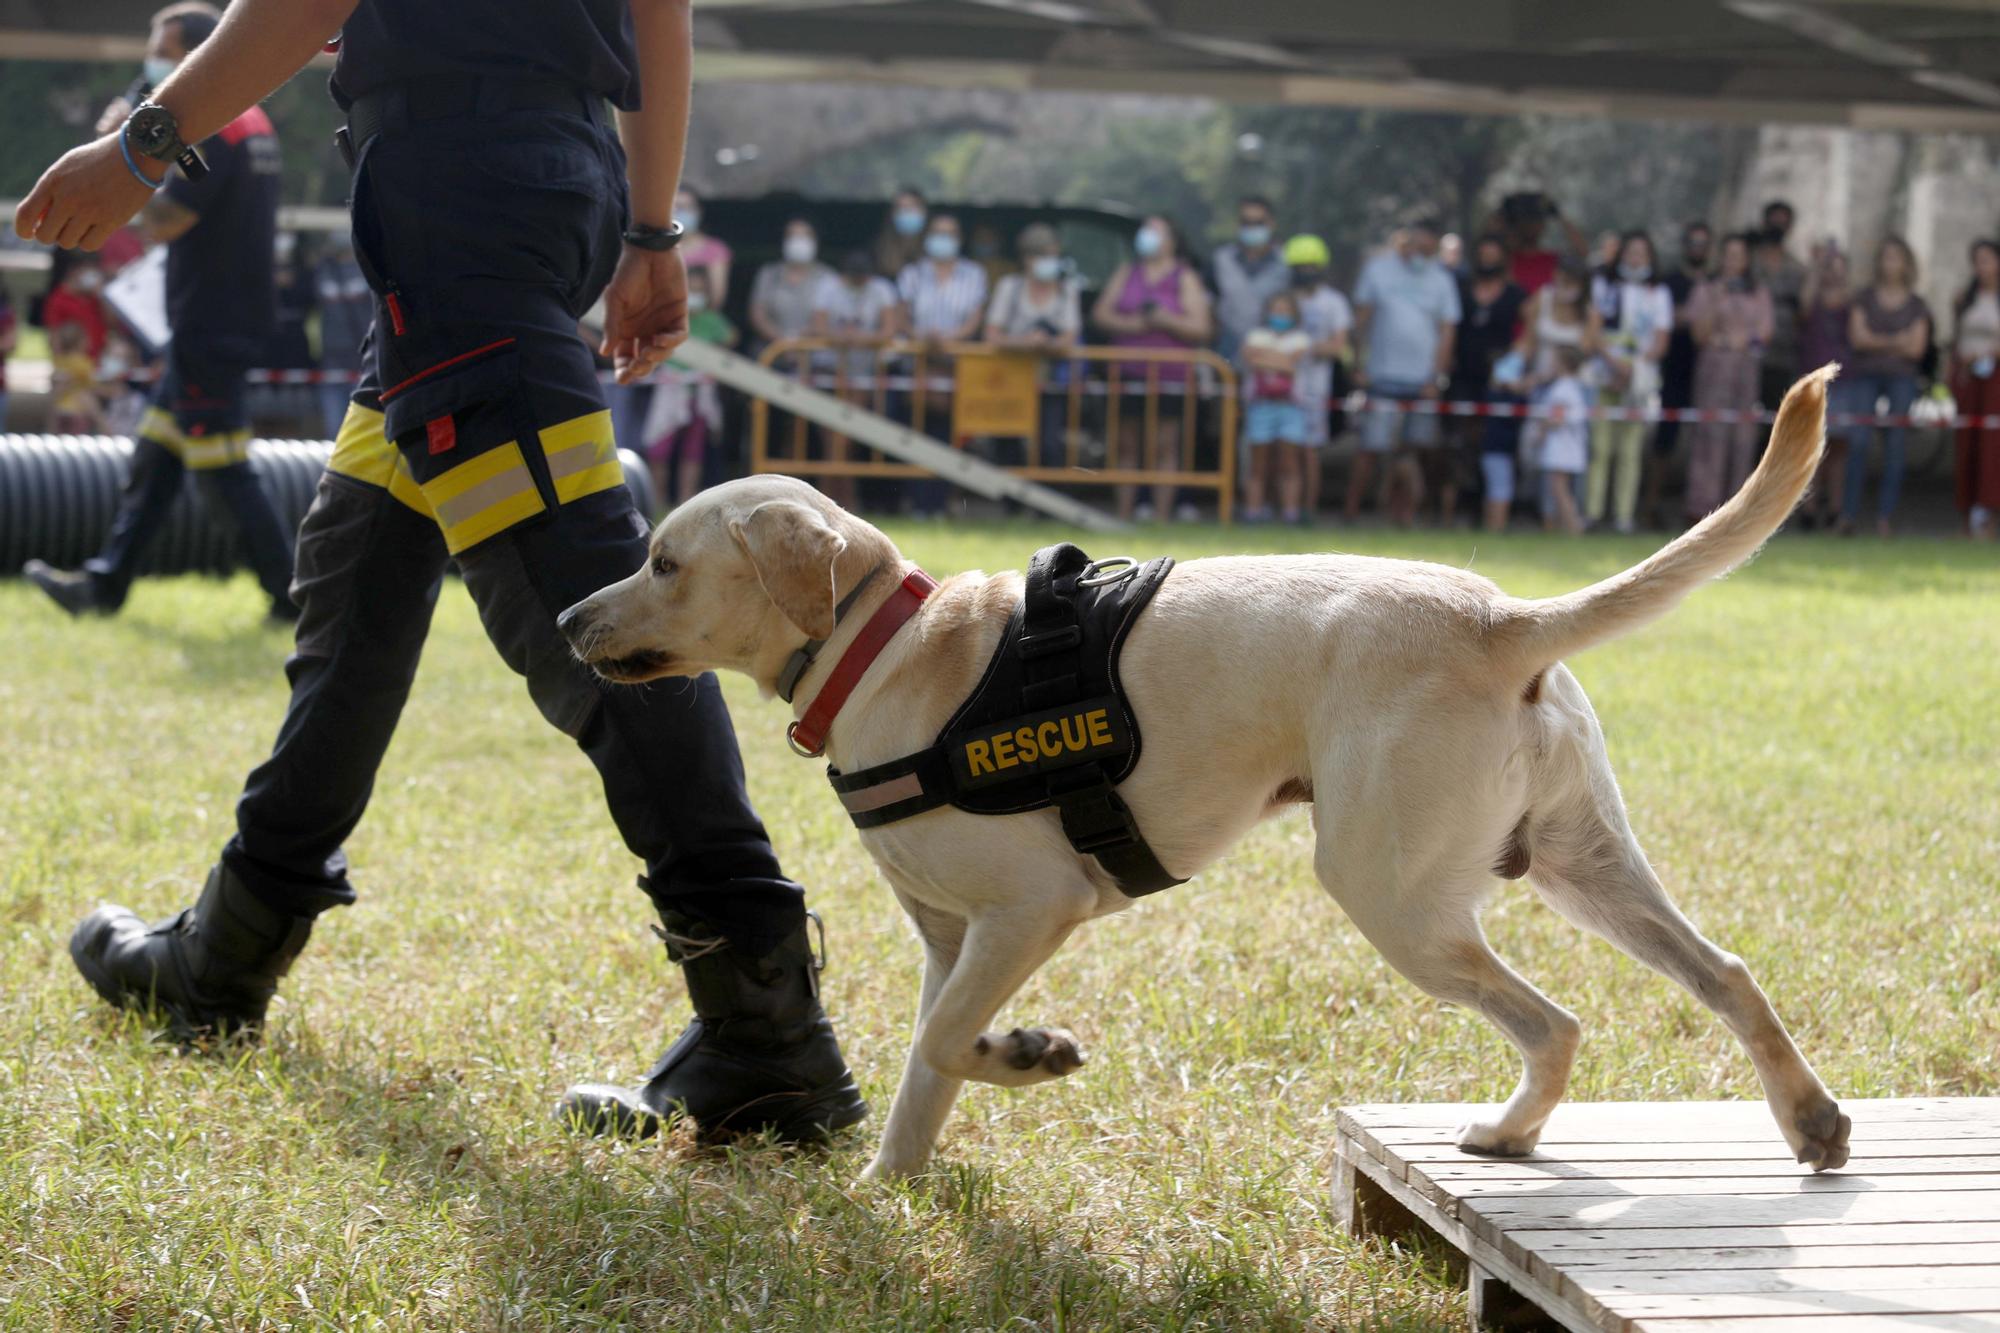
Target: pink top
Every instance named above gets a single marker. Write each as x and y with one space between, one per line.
1134 297
704 251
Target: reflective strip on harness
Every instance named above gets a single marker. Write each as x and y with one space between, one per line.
363 453
582 456
866 799
483 496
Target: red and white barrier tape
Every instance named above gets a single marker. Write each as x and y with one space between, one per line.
1353 403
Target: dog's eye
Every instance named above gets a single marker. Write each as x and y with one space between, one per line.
663 566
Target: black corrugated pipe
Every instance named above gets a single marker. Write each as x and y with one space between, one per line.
58 494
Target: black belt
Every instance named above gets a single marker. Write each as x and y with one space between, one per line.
449 96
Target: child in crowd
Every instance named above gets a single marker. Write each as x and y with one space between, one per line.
1565 441
685 418
73 408
1500 441
1275 427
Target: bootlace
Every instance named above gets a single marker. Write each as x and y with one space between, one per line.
692 947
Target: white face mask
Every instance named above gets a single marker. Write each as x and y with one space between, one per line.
1045 268
940 245
89 280
800 249
697 301
688 219
157 68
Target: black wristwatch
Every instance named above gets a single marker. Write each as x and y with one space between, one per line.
661 239
152 131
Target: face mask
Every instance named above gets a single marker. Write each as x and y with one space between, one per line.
1307 278
1146 244
1635 272
1419 263
688 219
112 366
1490 270
1045 268
697 300
1254 234
89 280
157 68
1281 323
800 249
941 245
909 221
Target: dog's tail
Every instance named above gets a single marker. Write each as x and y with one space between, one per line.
1528 636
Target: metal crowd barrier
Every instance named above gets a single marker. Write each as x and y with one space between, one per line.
1090 392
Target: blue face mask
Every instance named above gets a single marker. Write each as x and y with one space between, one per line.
156 69
909 221
1255 236
941 245
688 220
1281 323
1146 244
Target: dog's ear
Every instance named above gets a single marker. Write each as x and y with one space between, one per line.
793 550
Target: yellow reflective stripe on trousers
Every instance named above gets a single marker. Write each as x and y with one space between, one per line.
582 456
202 452
159 426
489 494
363 452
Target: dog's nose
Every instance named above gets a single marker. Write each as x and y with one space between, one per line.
572 623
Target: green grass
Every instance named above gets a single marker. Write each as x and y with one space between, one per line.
1811 751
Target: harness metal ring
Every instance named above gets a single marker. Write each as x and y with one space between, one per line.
792 739
1111 569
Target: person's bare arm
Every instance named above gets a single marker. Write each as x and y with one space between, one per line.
1914 341
89 192
1446 348
1192 324
1104 313
645 307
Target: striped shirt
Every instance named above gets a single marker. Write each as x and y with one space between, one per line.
941 306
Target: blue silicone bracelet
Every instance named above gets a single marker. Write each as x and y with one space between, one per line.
133 167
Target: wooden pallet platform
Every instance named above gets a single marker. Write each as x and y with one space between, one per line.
1689 1217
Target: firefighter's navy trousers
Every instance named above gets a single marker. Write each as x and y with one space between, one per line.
479 436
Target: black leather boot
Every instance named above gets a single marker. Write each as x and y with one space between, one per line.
212 969
760 1053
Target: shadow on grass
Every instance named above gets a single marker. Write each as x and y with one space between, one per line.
667 1234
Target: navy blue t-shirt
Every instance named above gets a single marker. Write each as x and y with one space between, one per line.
587 43
221 273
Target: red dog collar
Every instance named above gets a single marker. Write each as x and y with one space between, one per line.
808 734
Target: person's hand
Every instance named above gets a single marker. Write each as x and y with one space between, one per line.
645 311
1431 390
1358 378
114 115
88 194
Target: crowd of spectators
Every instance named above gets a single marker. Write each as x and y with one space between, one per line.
1529 317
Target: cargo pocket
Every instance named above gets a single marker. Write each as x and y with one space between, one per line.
464 427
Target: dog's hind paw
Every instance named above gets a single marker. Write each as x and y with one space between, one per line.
1052 1050
1823 1130
1485 1139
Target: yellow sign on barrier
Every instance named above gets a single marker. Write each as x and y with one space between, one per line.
996 395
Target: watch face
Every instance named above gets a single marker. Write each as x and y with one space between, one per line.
151 131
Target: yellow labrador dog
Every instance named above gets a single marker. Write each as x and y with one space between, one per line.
1424 714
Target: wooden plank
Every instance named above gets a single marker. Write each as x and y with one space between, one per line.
1449 1115
1832 1323
1944 1254
1763 1147
1600 1281
1747 1131
1790 1184
1906 1302
1809 1235
1753 1211
1462 1167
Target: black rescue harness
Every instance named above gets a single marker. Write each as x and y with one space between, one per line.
1047 725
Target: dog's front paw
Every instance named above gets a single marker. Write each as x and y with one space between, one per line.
1820 1135
1489 1138
1053 1051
